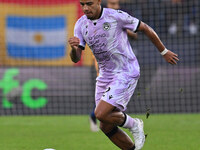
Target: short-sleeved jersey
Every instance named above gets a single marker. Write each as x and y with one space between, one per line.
107 38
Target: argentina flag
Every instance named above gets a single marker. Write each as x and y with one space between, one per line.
36 37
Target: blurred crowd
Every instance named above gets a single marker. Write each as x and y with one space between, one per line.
171 16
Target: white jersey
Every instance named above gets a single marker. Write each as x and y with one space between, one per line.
107 38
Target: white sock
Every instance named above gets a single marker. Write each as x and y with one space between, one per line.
129 123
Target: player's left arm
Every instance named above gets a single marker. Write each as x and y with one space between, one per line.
168 55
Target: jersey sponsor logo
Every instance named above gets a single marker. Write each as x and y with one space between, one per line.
97 43
106 26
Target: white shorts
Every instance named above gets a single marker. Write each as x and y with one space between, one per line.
117 93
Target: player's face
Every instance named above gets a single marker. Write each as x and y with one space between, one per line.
114 4
91 8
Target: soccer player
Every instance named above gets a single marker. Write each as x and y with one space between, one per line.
104 30
114 4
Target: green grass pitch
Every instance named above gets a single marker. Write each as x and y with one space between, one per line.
165 132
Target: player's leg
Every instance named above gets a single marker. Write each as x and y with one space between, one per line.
110 118
113 133
108 114
117 136
118 95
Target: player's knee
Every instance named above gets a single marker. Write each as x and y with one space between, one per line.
100 116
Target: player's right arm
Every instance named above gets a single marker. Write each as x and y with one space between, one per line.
77 42
76 51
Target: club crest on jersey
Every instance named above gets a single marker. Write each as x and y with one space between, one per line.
106 26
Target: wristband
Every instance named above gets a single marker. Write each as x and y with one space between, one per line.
164 52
